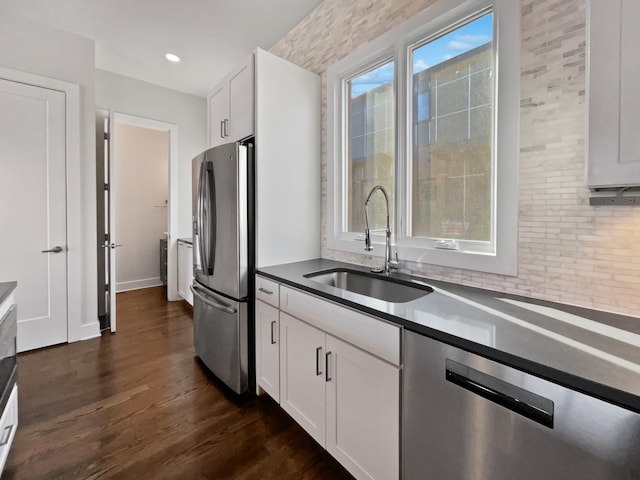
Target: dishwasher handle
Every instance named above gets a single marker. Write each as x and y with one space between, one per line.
517 399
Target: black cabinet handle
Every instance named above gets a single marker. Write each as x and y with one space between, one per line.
273 337
517 399
318 353
327 378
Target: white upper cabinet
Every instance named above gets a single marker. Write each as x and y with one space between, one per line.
231 106
241 101
278 103
218 111
287 161
614 99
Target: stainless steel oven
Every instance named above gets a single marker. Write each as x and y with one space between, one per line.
8 332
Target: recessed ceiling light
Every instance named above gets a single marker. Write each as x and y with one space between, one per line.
172 58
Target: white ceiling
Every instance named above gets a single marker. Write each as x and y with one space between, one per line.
132 36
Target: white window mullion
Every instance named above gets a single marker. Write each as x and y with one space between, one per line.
403 138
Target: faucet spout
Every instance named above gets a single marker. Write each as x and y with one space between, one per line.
388 262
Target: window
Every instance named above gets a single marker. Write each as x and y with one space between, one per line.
451 161
371 138
425 112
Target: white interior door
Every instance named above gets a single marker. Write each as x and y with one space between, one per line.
112 222
33 243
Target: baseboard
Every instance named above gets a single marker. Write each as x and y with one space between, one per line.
138 284
85 332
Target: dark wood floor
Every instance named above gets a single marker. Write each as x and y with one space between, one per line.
138 405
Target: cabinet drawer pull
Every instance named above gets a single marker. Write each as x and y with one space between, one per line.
221 128
326 366
273 337
6 434
265 291
318 353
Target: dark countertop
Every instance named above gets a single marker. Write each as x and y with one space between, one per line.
186 240
5 289
597 353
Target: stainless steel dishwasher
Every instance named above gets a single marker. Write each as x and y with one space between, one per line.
468 418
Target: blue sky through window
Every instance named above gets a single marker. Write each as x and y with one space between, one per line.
458 42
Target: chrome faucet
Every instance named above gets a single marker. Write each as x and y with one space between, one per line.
388 262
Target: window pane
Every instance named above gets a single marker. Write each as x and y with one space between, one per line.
371 144
451 162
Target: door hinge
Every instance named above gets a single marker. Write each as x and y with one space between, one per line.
106 287
106 237
106 187
106 136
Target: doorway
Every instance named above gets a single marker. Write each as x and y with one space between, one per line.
141 194
137 214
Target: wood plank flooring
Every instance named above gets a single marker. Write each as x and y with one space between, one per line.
139 405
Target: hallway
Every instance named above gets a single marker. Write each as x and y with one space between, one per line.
138 405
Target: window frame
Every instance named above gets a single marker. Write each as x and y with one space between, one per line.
443 16
379 61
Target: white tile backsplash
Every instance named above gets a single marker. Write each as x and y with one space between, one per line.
569 251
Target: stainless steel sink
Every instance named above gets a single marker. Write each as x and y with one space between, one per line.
389 289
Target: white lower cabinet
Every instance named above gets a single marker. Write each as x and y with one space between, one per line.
302 379
347 399
8 426
268 348
338 373
185 270
363 406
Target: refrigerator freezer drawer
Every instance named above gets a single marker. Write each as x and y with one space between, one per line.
220 336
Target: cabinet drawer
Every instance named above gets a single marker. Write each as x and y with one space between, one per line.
371 334
267 291
8 426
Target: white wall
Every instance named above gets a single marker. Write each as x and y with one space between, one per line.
37 49
134 97
141 188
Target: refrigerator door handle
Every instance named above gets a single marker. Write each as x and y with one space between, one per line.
200 218
212 304
208 226
213 220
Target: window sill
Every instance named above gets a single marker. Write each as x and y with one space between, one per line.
502 264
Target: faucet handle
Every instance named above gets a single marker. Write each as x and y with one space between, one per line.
394 263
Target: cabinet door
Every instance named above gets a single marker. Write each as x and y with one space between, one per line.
182 276
181 272
218 104
268 349
363 412
614 101
302 375
187 265
8 426
241 102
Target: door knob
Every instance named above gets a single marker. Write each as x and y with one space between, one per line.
113 245
56 249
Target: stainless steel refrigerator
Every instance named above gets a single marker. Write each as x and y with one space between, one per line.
223 261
